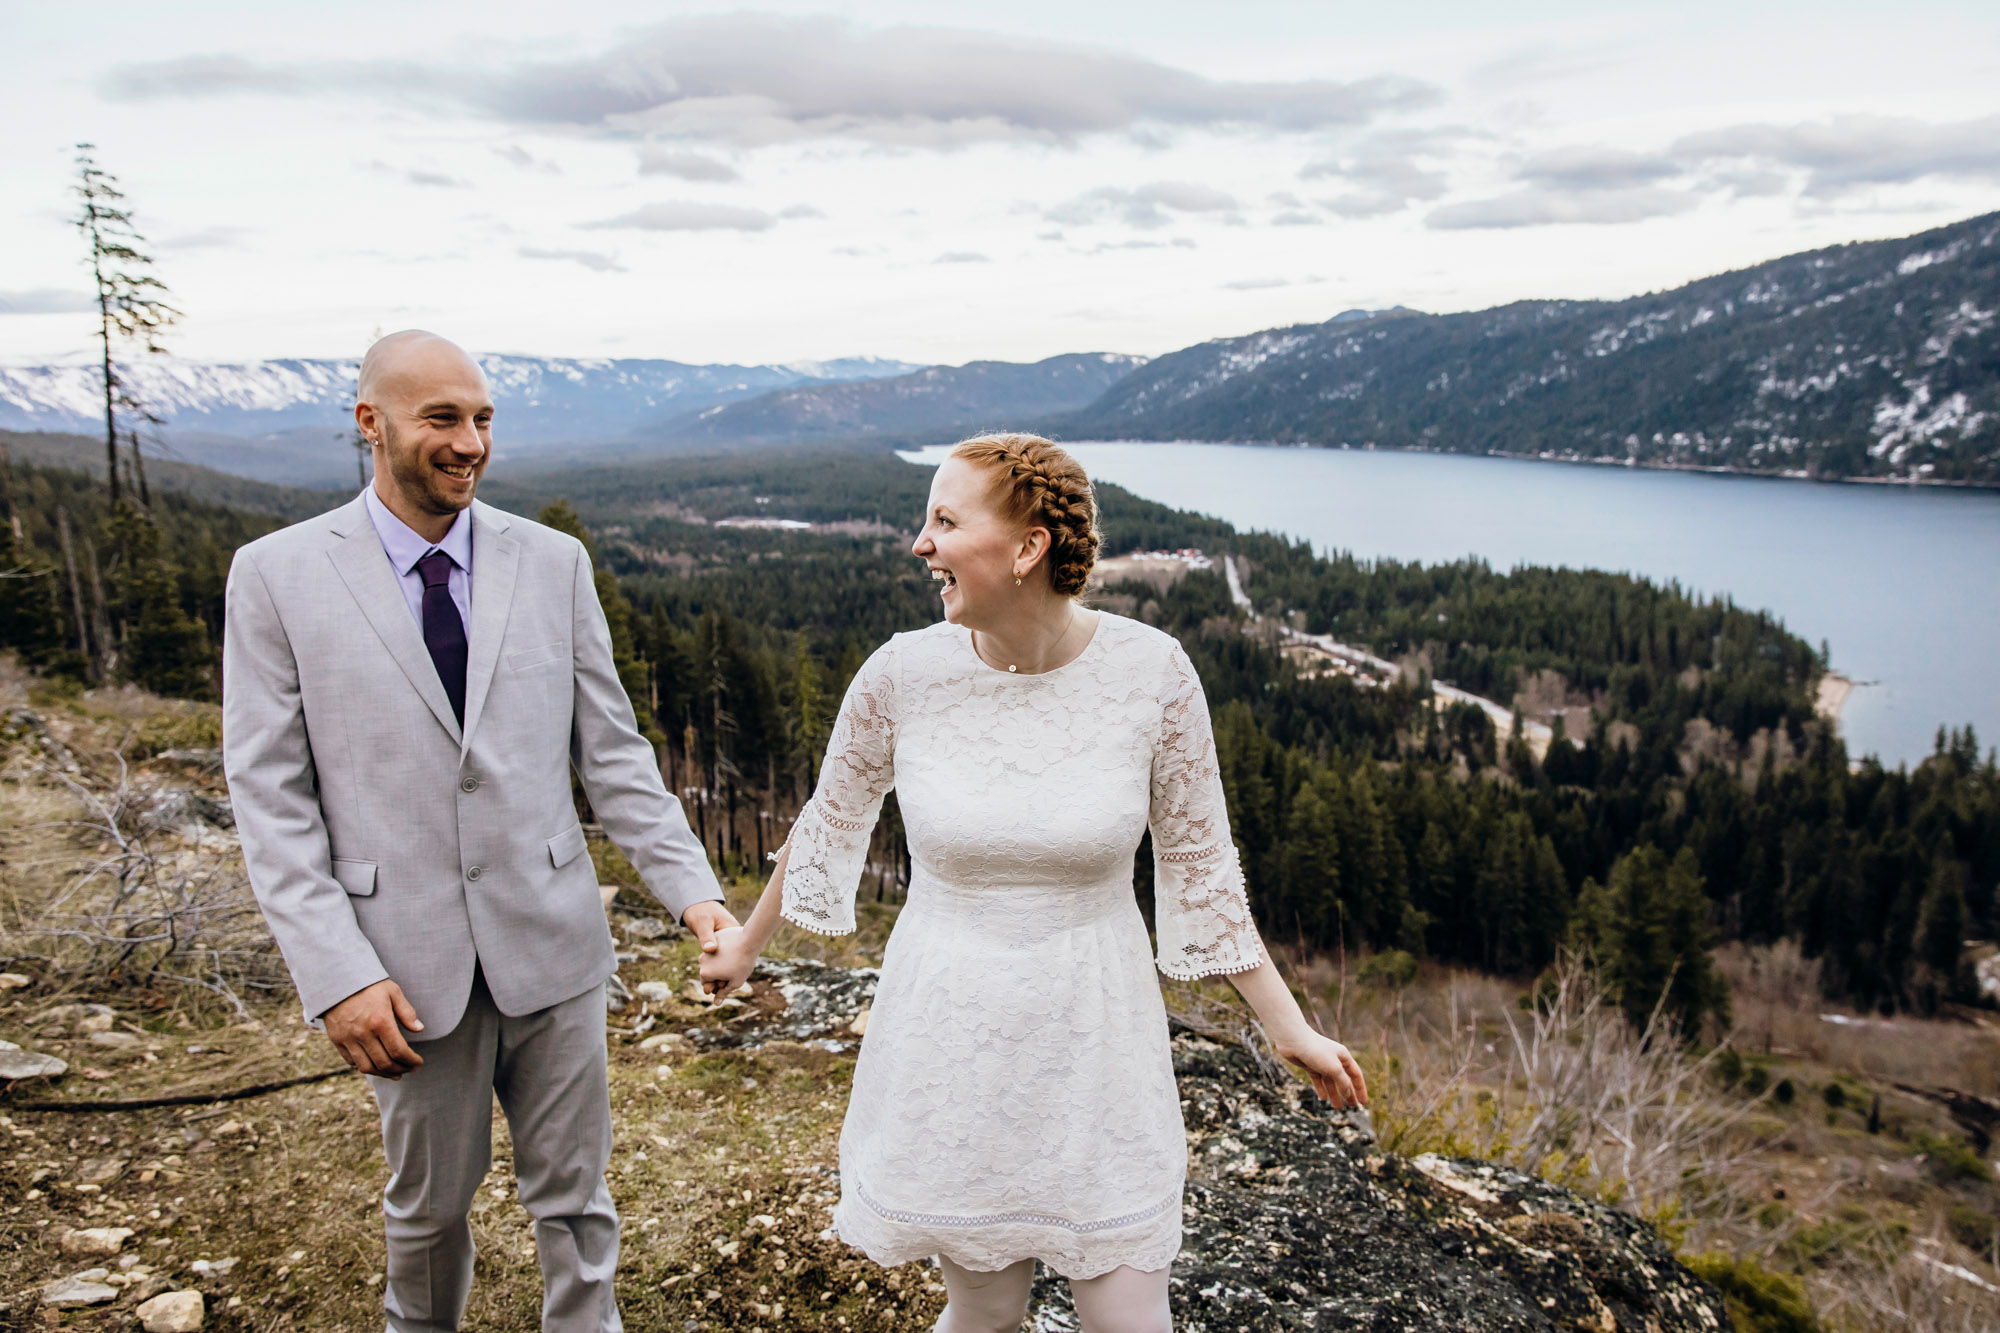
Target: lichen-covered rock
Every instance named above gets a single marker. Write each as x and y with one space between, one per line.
1296 1220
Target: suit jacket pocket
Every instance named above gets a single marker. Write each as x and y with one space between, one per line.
530 658
357 877
566 846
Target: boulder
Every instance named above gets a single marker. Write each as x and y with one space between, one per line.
14 980
173 1312
655 992
74 1292
1296 1219
96 1242
19 1064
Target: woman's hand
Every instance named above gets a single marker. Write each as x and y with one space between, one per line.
1331 1066
729 965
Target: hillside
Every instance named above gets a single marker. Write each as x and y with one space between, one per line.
1877 359
978 395
81 453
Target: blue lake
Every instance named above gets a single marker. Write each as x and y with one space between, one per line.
1903 583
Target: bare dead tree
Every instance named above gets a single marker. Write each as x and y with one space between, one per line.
131 302
161 894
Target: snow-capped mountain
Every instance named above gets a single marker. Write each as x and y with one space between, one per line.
1877 359
542 400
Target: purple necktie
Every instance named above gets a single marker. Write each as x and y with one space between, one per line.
444 632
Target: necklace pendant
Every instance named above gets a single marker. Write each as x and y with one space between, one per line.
1010 668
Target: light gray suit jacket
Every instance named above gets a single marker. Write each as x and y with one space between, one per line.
384 840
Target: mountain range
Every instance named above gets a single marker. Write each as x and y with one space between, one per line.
1874 360
1877 359
277 420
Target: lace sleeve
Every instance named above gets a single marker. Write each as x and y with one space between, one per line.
1200 910
829 843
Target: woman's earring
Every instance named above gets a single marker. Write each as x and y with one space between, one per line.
1017 580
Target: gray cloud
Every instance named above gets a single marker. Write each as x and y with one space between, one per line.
593 260
526 160
961 257
1384 172
1596 167
762 78
655 160
1147 207
1297 218
1177 243
45 301
1265 284
1538 207
1851 152
799 213
420 176
687 215
207 238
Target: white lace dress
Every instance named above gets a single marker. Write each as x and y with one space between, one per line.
1015 1095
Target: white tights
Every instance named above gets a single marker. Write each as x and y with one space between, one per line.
1124 1300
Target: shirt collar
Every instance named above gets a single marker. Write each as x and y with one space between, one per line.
405 547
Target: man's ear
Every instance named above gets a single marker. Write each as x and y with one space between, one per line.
368 421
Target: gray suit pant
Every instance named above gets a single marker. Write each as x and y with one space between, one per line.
548 1069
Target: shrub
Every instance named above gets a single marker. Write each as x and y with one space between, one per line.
1972 1227
1784 1092
1758 1079
179 727
1759 1300
1951 1158
1835 1095
1392 970
1729 1067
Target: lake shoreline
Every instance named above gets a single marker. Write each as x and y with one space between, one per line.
1717 470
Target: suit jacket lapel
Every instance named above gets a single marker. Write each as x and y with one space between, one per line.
495 559
365 569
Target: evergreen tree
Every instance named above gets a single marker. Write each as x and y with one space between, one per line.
558 514
1941 930
161 647
131 302
31 618
1655 915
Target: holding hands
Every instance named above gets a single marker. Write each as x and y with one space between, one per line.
727 962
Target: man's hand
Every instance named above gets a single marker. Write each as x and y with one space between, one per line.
705 919
728 964
367 1029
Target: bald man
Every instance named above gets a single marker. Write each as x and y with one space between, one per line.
408 683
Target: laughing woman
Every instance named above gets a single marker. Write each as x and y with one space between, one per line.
1014 1098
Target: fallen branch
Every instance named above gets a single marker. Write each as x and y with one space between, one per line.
187 1099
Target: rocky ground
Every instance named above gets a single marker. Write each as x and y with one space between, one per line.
725 1173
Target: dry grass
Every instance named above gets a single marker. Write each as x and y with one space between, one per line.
98 902
1798 1186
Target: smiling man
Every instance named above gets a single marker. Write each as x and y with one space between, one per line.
408 683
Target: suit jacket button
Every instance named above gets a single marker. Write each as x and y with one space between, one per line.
474 873
469 784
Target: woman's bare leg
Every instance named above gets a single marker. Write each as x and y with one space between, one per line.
979 1302
1125 1300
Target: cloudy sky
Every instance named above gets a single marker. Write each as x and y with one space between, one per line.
952 180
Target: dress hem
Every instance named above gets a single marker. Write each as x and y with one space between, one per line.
890 1243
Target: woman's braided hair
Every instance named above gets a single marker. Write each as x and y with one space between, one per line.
1040 485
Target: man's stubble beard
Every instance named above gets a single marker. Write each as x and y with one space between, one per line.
414 476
